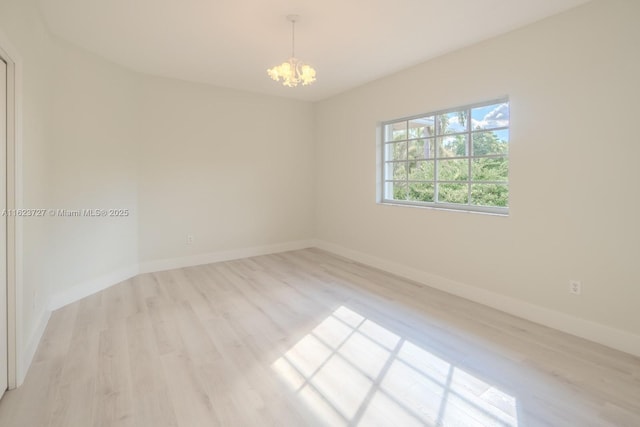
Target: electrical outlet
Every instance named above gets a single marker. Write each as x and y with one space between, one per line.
189 239
575 287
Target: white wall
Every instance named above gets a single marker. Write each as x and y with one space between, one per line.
91 165
572 82
21 27
231 168
78 151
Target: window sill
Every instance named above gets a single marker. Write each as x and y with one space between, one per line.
502 212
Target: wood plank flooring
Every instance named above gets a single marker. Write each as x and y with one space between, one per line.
306 338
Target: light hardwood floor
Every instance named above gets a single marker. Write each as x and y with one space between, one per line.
306 338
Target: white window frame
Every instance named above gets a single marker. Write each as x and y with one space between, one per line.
466 207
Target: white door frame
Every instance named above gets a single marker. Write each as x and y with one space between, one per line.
14 192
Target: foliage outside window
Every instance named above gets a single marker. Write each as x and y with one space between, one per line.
456 159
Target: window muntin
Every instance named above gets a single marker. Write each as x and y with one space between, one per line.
455 159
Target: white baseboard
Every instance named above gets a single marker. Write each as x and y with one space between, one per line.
90 287
208 258
29 351
592 331
98 284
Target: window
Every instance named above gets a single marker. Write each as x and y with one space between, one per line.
454 159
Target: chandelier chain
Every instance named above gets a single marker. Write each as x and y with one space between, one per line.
293 38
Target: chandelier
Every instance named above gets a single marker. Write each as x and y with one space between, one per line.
293 71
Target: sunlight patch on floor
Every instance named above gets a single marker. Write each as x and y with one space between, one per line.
351 370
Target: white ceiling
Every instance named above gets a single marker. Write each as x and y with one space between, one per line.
231 43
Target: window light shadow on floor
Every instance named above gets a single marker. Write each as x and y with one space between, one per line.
350 370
